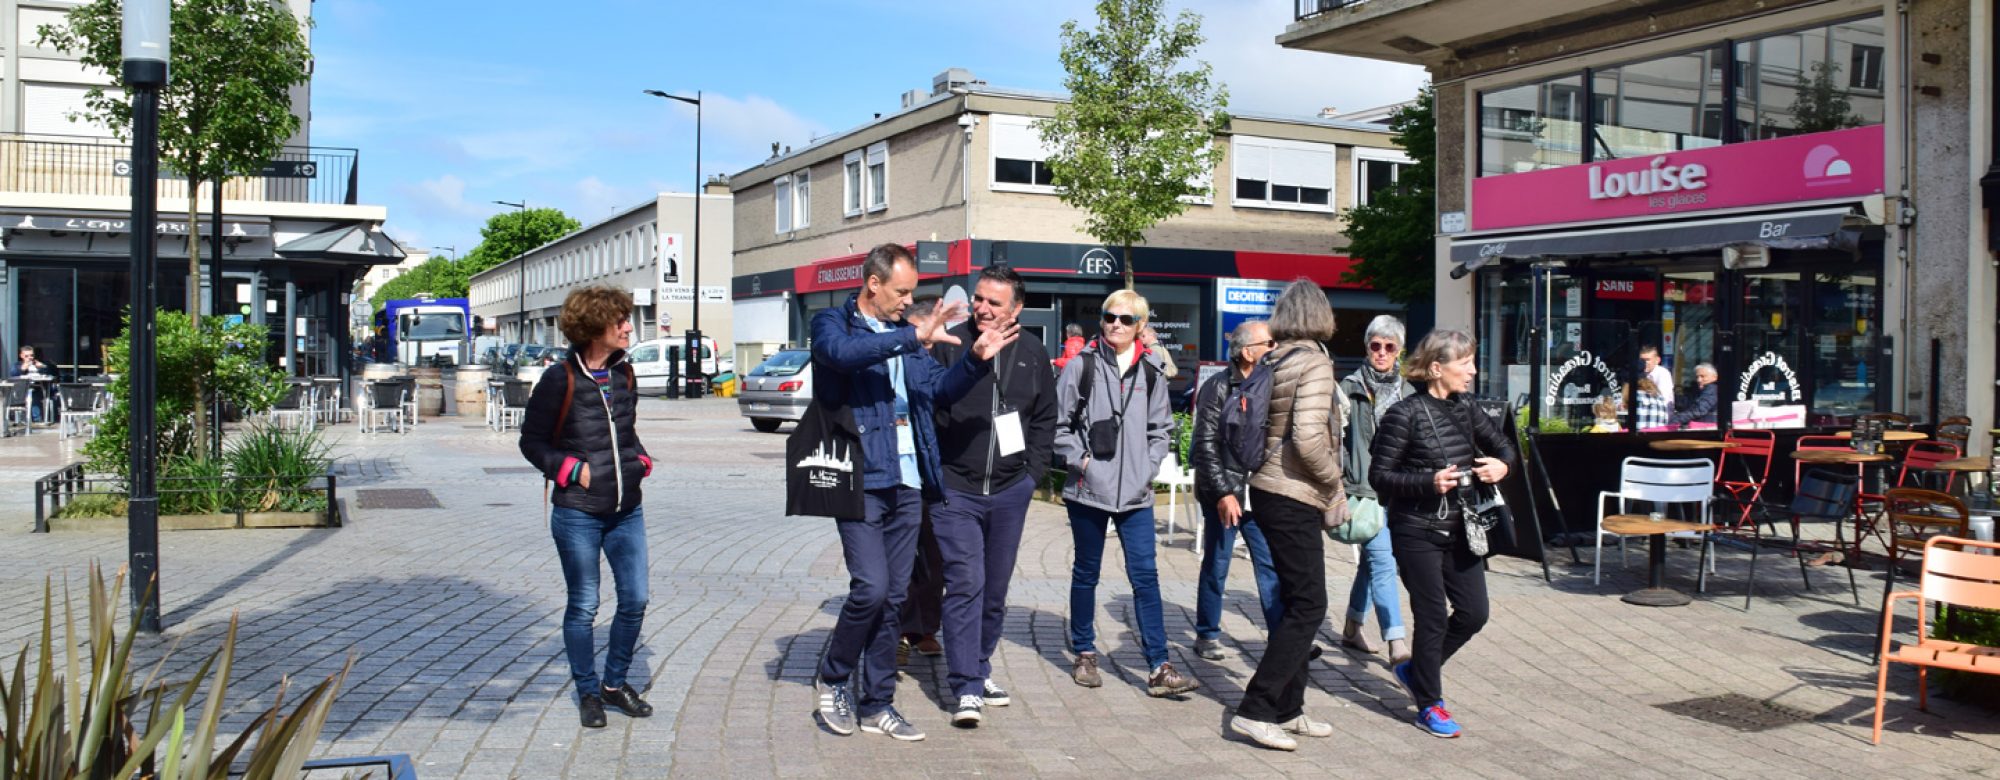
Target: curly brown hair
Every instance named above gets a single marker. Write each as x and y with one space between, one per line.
590 311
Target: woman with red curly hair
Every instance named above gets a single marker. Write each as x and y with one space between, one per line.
580 431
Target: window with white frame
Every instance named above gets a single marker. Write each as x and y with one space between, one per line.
878 176
1277 173
781 199
1019 157
802 199
850 167
1376 170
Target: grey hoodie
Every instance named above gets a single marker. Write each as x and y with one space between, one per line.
1124 482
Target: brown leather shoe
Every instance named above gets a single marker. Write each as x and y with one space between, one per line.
928 646
1167 681
1085 672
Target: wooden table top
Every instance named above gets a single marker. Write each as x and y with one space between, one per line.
1643 525
1975 463
1891 435
1683 445
1839 457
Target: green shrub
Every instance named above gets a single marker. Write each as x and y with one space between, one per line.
73 715
194 485
1980 627
87 506
1184 439
277 468
219 356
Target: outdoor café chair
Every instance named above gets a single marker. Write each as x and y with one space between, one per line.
81 404
1754 449
1956 429
1923 457
1664 483
1960 572
295 406
1821 494
385 407
16 404
1179 480
1914 515
513 404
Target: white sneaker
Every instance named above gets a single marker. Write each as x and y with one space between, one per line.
1270 735
995 695
1306 726
969 712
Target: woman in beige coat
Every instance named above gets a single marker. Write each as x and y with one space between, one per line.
1298 483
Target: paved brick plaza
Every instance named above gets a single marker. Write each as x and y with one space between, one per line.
454 613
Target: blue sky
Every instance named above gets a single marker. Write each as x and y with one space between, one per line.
455 104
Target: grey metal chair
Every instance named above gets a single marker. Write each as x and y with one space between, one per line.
385 407
514 404
16 403
81 404
295 406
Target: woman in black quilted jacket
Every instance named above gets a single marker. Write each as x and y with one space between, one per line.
1423 446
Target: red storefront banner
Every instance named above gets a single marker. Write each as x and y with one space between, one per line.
1800 168
1625 289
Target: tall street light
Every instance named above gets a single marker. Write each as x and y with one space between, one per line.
520 276
146 28
693 349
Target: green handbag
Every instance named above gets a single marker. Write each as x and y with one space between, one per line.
1364 521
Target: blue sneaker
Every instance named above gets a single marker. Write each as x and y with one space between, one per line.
1402 672
1438 722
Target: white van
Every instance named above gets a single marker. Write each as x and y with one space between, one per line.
651 358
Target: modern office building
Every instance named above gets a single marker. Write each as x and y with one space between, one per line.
646 250
1789 189
958 174
295 235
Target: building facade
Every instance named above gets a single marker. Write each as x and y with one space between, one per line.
645 250
1789 189
294 236
959 175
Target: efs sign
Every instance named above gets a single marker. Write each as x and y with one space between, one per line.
1098 262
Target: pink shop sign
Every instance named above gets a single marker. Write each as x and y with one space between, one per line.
1800 168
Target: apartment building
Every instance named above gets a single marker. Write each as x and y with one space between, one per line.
295 235
959 175
1789 189
646 250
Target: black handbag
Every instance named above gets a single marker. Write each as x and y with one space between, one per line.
823 472
1485 510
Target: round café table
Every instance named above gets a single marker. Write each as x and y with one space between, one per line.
1890 435
1691 445
1656 593
1973 464
1840 457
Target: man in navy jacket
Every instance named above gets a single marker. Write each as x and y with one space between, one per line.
869 362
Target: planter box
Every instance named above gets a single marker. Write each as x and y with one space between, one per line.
201 522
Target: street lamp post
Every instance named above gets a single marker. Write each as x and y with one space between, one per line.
692 350
146 30
521 278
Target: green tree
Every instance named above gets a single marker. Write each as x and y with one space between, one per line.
1138 133
506 236
1392 237
1820 104
227 104
227 357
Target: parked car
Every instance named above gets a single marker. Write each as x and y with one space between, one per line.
651 360
778 390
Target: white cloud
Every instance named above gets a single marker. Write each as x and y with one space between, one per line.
1264 77
597 199
443 197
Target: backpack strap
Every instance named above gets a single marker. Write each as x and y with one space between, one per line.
1083 387
562 414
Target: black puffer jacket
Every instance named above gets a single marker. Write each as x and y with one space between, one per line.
1216 472
1410 447
599 429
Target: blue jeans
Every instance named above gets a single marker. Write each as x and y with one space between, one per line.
1375 580
1088 525
880 549
1216 543
581 540
979 537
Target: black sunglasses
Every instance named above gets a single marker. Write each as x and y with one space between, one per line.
1124 319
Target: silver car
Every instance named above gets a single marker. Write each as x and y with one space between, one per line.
778 390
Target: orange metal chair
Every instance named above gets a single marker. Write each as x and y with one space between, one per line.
1922 457
1752 446
1956 573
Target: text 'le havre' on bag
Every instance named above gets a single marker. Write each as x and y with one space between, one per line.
823 474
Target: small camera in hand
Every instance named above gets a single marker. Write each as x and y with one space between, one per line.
1465 478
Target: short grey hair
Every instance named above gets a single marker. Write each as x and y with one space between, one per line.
1709 367
1239 339
1387 328
1441 346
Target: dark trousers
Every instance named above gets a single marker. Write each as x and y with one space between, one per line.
1277 692
923 611
582 540
980 536
1439 571
880 549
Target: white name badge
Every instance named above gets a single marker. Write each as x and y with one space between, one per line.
1007 433
906 440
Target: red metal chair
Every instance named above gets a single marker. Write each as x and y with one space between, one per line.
1922 457
1753 444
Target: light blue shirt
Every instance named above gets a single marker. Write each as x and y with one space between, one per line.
904 432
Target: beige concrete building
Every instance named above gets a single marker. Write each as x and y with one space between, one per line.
958 174
625 251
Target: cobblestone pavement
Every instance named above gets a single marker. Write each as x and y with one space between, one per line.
453 615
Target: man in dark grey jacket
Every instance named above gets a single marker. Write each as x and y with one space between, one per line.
995 444
1220 487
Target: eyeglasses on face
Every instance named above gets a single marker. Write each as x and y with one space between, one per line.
1377 346
1264 343
1123 319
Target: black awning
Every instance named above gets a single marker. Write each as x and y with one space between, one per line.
1808 229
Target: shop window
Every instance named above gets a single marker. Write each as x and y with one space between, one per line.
1810 81
1276 173
1531 126
1663 105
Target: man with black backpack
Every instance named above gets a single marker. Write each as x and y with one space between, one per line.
995 443
1221 487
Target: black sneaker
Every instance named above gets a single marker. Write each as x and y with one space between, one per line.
628 701
968 713
994 695
591 710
